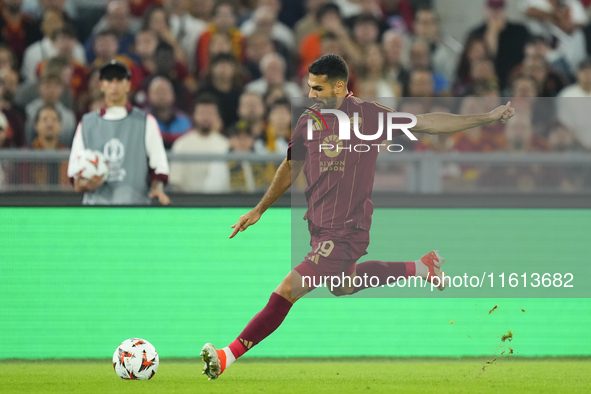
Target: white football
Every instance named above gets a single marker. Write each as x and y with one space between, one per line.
135 359
91 163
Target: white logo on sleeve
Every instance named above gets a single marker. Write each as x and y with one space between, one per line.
114 152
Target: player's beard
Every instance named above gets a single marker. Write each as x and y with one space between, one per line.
327 102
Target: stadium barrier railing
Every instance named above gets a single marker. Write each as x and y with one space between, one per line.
412 173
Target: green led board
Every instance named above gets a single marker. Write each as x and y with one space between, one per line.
75 282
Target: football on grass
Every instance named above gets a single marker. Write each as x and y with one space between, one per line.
135 359
91 163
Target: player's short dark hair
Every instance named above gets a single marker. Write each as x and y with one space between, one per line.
333 66
327 8
49 107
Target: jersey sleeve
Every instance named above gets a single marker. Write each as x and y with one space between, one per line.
297 148
77 149
157 159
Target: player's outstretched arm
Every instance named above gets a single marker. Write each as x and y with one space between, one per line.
441 123
286 174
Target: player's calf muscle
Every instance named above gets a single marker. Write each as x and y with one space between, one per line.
291 287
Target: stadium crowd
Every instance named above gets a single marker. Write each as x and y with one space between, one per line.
218 75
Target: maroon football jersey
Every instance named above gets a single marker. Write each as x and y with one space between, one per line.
340 182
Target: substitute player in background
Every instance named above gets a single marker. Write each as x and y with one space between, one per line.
131 142
339 204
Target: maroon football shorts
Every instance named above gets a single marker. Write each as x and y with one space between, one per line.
334 252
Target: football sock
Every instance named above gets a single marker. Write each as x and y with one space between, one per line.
261 325
383 270
421 269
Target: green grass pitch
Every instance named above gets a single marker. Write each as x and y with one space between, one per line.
505 375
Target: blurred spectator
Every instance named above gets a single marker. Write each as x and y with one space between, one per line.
525 89
182 81
482 72
36 8
265 19
329 20
257 46
505 40
478 139
7 60
559 22
421 83
11 85
365 30
525 86
273 68
146 42
48 127
29 91
155 59
17 30
51 88
224 22
520 136
420 57
277 134
251 112
14 129
374 69
308 23
224 82
92 94
474 50
367 88
118 21
106 48
139 8
65 43
582 88
187 25
201 177
574 103
272 95
396 73
156 19
202 9
443 58
550 81
173 123
399 15
561 139
44 49
247 177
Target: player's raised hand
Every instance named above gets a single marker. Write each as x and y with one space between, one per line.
245 221
503 113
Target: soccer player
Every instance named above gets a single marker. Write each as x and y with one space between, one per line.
339 205
131 142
